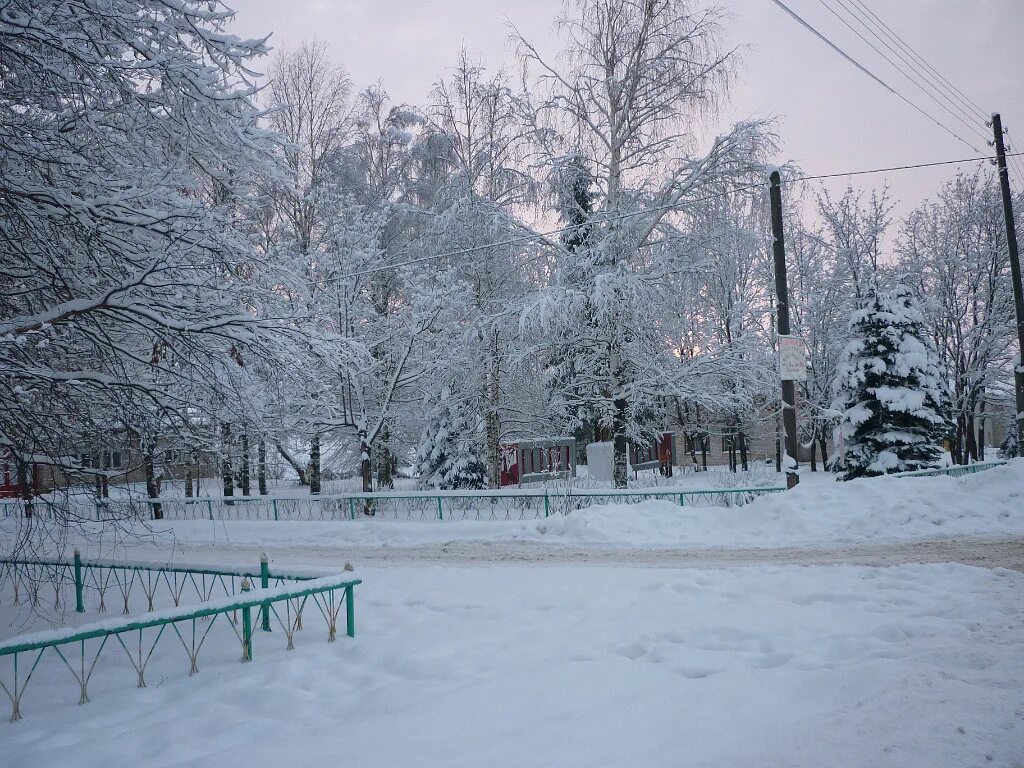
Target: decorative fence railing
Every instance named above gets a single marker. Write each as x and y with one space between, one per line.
956 470
282 598
415 505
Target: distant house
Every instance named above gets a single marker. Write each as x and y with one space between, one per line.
12 482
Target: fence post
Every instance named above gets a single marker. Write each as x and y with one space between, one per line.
682 500
547 504
273 503
350 611
209 506
79 603
440 514
265 583
351 507
246 627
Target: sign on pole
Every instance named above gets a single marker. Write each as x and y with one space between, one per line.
792 358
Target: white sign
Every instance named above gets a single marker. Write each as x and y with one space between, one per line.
792 358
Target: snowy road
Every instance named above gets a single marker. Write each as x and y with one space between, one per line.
986 552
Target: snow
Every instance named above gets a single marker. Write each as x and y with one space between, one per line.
910 666
572 665
819 511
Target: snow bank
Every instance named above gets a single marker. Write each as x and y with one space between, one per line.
818 512
868 510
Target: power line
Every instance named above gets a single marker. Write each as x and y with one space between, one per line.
539 236
921 59
953 94
868 72
920 84
895 168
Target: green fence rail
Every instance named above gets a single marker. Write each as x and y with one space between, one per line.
415 505
956 470
80 648
35 579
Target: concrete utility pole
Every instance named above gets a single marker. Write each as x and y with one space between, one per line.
1018 294
782 295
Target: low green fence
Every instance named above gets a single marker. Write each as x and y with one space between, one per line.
442 506
956 470
387 505
80 648
35 579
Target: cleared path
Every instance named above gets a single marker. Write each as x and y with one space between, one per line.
986 552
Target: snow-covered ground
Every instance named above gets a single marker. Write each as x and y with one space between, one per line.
514 665
780 666
818 512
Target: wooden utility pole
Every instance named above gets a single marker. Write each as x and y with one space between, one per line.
782 297
1018 294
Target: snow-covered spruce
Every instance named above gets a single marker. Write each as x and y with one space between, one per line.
450 454
890 392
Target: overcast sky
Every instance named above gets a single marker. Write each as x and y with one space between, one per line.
831 117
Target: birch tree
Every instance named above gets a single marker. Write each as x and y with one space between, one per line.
633 79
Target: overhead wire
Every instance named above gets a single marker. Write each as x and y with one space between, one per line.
929 89
800 20
952 93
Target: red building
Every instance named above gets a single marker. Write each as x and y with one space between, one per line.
10 483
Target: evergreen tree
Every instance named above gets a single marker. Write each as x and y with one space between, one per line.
450 455
890 392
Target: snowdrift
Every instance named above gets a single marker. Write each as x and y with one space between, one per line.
819 512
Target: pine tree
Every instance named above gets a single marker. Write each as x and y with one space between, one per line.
450 455
890 391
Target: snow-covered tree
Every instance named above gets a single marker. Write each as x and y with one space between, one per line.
634 76
450 454
130 140
890 391
953 252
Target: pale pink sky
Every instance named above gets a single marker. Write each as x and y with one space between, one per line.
831 117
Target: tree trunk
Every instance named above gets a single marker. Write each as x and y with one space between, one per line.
314 464
385 460
104 458
261 466
152 482
492 395
743 451
189 469
620 447
303 479
972 443
704 451
225 461
245 463
366 471
814 454
981 430
823 444
25 485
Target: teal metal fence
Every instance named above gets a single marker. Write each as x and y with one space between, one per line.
418 505
117 581
956 470
224 594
